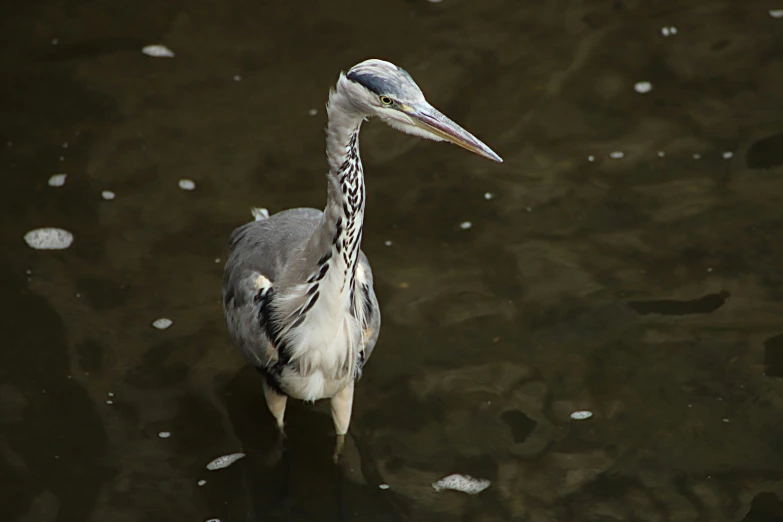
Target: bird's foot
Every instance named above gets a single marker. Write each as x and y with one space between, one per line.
339 444
279 450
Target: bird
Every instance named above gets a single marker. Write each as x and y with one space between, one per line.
298 293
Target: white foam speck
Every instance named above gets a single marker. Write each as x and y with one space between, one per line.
463 483
642 87
618 154
187 184
776 13
488 195
384 486
108 195
109 402
224 461
668 31
55 41
213 520
312 112
728 154
158 51
387 243
201 482
164 434
581 415
697 156
726 421
465 225
434 1
217 260
591 158
661 154
162 323
65 145
49 239
58 180
110 394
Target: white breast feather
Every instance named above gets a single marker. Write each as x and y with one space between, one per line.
327 342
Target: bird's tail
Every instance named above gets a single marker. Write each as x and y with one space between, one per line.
259 214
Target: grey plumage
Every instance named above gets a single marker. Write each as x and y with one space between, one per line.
298 291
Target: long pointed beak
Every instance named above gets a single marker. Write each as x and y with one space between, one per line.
433 121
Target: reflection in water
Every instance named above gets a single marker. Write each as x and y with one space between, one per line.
580 285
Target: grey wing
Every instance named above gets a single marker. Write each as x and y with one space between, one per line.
258 253
372 312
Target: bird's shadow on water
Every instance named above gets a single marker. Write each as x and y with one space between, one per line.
298 482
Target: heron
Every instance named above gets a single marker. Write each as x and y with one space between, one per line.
298 292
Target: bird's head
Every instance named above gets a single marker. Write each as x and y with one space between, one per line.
379 88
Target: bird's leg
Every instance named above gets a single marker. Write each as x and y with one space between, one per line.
342 404
276 402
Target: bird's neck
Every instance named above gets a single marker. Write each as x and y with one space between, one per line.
344 213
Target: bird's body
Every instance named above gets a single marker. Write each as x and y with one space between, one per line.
327 351
298 291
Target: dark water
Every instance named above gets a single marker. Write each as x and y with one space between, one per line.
647 290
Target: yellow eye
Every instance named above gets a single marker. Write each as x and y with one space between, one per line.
386 100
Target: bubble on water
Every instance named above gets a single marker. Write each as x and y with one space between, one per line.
49 239
108 195
110 394
109 402
55 41
642 87
312 112
776 13
237 78
201 482
187 184
224 461
488 195
162 323
387 243
697 156
58 180
384 486
728 154
590 158
463 483
617 154
158 51
164 434
581 415
465 225
217 260
661 154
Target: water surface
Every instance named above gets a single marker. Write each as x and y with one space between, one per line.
645 289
